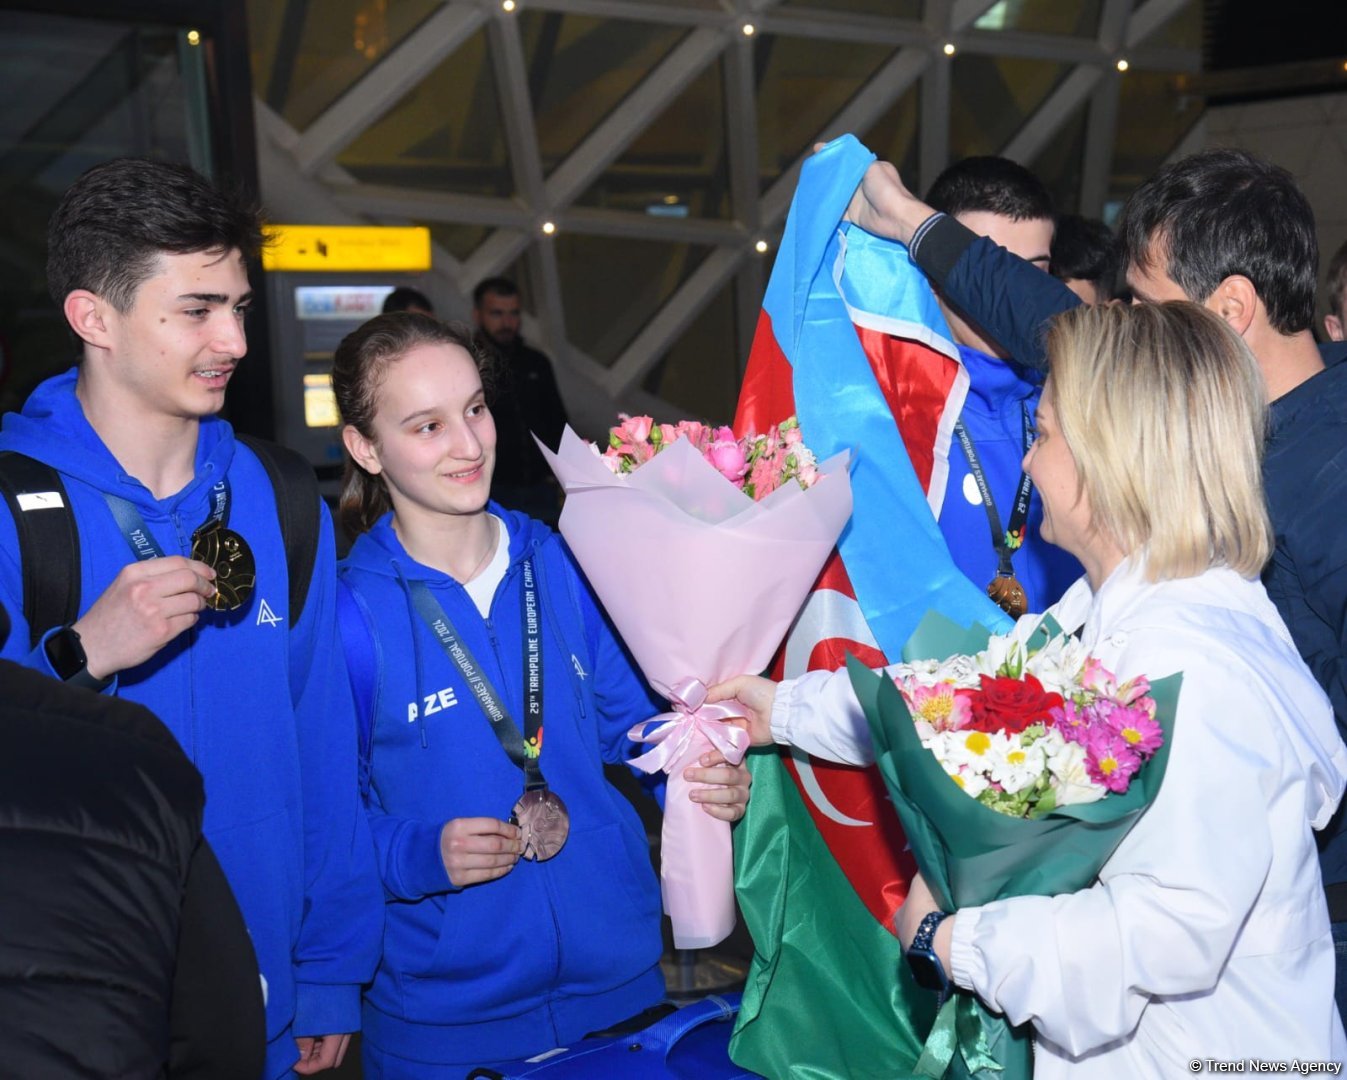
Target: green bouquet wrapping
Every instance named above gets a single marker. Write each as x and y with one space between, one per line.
971 854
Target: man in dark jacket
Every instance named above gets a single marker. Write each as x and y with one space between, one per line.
1235 234
123 952
524 401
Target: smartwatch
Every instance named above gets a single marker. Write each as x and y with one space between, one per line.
65 653
925 966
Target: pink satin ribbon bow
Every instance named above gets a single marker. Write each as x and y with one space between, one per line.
674 732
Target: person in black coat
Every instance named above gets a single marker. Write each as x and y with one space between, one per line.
122 950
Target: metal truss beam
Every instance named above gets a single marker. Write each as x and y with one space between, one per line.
672 319
1149 17
437 206
303 182
638 111
1048 119
512 90
590 221
875 98
385 84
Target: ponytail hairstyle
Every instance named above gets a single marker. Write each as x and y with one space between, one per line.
358 369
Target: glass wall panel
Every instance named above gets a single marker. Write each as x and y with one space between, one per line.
73 93
678 166
699 376
1061 164
896 9
1079 18
802 85
580 68
611 288
1155 112
445 134
894 136
991 98
1183 31
307 53
459 240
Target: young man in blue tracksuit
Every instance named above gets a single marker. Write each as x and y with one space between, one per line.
148 263
992 515
487 955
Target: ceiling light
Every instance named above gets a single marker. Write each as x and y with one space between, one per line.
193 37
760 247
949 49
1123 65
549 228
749 29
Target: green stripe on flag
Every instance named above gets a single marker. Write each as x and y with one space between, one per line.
828 995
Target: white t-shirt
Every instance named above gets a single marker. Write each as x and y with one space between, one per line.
482 588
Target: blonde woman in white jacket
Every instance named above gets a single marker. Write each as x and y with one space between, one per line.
1206 938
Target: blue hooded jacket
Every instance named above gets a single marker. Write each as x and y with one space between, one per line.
263 709
554 949
999 394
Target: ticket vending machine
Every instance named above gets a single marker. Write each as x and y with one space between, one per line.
322 283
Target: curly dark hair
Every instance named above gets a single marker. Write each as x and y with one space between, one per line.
117 219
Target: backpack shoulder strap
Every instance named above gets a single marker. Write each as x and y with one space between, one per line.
355 626
297 500
49 543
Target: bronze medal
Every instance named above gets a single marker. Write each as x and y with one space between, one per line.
545 822
1008 595
228 554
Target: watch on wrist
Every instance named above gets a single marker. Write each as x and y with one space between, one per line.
925 966
66 655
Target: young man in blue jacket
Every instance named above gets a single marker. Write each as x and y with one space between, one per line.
992 514
175 521
1236 234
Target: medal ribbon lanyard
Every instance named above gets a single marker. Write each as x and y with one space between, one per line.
144 546
1008 542
523 748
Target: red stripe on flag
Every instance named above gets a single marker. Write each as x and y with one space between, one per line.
768 393
874 858
916 382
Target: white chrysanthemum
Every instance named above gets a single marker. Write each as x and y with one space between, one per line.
972 782
1071 780
1014 766
975 749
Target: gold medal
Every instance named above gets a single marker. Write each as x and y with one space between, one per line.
545 822
1008 594
228 554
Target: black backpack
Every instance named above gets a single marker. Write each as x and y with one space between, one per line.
49 541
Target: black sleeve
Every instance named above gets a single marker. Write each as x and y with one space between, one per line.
217 1023
552 412
1009 299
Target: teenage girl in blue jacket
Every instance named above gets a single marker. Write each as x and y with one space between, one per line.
493 671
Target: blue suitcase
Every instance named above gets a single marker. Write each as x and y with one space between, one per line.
691 1043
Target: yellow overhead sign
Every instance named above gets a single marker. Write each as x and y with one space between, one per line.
346 247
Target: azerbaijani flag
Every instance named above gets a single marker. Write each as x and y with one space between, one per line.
852 341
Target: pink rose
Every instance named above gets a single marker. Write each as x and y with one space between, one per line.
728 458
695 432
764 478
634 428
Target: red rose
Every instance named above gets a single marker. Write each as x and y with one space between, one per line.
1011 705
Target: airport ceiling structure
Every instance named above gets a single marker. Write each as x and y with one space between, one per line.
631 162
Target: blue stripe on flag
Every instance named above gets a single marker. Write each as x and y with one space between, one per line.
894 554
